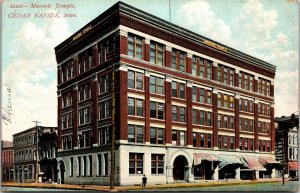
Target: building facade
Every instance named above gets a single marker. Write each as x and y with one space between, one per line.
26 159
7 161
185 107
47 154
286 144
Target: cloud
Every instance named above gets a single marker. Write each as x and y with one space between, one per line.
32 75
253 30
199 17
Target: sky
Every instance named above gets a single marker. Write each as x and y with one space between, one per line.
266 29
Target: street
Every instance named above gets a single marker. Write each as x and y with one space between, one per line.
290 186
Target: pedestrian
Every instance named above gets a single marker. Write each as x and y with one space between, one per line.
144 179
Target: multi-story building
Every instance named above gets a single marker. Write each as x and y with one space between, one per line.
47 154
7 161
186 107
286 143
26 160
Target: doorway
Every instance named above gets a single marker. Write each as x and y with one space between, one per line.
179 168
62 172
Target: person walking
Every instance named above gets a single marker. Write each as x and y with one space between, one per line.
144 179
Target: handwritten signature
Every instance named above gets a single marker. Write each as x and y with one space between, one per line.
7 110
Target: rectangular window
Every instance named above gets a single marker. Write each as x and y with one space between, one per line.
156 53
194 66
201 140
174 137
156 85
134 47
99 171
182 137
209 140
135 80
78 166
231 76
174 59
157 164
135 107
208 118
182 61
194 94
174 89
194 116
182 91
90 166
208 71
174 113
135 133
104 135
231 142
156 110
219 74
136 161
201 117
71 166
182 114
105 164
156 135
84 115
202 95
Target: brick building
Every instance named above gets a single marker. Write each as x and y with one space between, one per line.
26 159
7 161
286 143
186 107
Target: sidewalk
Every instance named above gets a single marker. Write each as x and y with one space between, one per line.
150 186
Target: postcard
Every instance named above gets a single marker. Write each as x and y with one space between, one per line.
137 95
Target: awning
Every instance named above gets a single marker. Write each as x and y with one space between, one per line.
252 163
293 166
198 157
228 159
267 160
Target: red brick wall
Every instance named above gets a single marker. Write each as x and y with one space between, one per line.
255 126
59 103
168 58
168 112
122 106
236 123
189 107
123 45
147 110
95 111
215 119
75 110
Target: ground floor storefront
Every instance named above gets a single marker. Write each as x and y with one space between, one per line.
161 165
24 172
7 173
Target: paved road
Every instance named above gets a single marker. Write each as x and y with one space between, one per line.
9 188
291 186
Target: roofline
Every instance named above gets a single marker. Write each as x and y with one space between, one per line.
170 27
44 127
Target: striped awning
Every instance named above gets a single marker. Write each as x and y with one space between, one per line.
267 160
228 159
293 166
198 157
252 163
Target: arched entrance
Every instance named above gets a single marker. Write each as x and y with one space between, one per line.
62 172
180 168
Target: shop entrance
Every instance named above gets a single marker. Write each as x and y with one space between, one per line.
180 168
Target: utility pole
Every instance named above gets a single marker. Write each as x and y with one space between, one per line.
112 159
37 148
